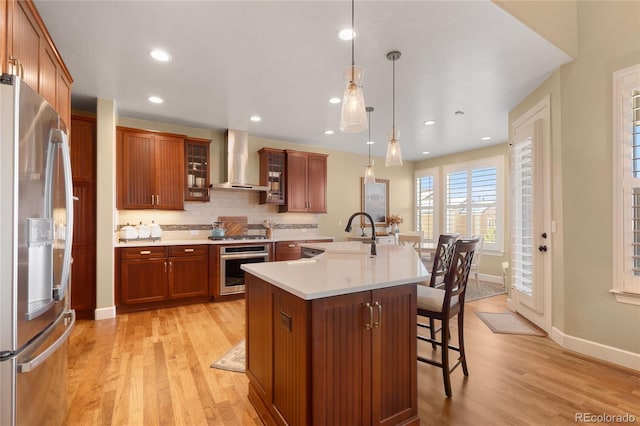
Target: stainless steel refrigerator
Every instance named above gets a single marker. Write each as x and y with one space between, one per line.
36 223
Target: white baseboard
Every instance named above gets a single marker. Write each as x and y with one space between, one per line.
596 350
593 349
105 313
494 279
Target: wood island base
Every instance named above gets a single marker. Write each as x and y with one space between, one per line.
347 359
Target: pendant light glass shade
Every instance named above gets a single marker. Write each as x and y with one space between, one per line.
369 174
394 153
353 118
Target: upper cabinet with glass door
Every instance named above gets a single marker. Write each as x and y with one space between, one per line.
196 169
272 175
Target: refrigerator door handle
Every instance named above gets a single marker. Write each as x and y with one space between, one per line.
35 362
68 185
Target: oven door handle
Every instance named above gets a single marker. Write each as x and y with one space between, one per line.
243 255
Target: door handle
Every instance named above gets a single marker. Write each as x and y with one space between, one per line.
70 317
542 248
379 322
368 325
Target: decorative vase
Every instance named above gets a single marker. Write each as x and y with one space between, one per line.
396 228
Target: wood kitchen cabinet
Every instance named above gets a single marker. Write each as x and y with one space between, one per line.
157 276
83 168
26 49
306 183
291 250
347 359
272 175
196 182
188 271
150 170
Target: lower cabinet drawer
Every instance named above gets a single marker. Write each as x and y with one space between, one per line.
195 250
288 250
142 252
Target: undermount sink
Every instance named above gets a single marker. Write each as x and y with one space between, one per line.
356 247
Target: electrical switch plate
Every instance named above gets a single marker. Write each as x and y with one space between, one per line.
554 227
285 321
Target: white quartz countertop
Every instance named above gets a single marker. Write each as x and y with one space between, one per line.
344 267
205 240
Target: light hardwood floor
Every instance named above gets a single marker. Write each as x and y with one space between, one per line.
153 368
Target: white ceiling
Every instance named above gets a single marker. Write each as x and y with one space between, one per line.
282 60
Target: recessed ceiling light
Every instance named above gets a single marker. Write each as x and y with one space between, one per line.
255 118
155 100
328 132
429 123
160 55
370 142
334 100
346 34
486 138
425 153
459 112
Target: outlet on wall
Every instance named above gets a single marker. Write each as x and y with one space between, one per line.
194 232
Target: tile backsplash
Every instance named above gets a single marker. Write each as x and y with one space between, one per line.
199 216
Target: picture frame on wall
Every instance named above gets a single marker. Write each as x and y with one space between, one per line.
375 200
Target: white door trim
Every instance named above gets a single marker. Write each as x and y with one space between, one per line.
539 312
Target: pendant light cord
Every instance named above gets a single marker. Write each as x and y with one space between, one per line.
369 141
353 37
393 99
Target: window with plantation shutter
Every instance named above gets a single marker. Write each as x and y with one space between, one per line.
626 167
473 198
426 202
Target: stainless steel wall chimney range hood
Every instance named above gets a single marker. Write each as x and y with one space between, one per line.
237 151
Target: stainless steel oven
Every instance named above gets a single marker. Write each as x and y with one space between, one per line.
231 257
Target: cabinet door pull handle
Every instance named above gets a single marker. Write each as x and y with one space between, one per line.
18 68
188 250
145 251
170 266
157 200
165 266
370 308
152 199
379 322
292 245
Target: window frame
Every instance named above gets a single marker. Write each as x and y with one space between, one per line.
433 172
625 286
469 166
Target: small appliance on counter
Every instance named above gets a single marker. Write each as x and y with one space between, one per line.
141 232
218 230
156 230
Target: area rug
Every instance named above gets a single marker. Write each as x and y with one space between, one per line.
476 292
232 360
507 323
482 291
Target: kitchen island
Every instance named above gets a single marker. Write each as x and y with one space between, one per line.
332 339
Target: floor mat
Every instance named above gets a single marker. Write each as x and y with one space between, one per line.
508 323
232 360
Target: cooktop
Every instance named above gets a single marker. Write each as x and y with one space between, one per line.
238 237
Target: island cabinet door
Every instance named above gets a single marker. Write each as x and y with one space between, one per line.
364 358
342 359
259 357
394 355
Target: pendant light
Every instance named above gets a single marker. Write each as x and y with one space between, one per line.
353 118
369 174
394 154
